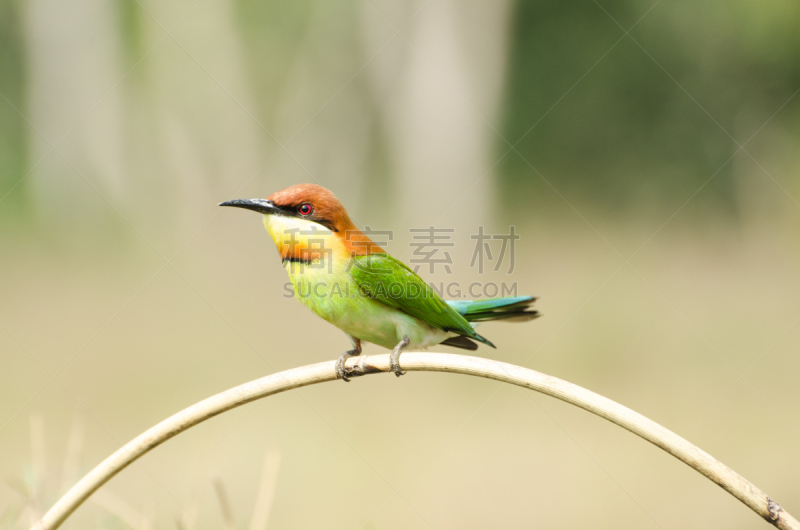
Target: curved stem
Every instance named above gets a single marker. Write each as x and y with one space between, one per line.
667 440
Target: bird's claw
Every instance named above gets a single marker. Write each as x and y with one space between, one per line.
341 370
395 367
394 358
343 373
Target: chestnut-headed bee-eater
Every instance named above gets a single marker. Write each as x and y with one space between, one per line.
339 273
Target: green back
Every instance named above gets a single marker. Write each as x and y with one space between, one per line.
391 282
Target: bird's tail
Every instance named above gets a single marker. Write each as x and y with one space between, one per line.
511 308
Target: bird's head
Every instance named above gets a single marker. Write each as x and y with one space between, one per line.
306 219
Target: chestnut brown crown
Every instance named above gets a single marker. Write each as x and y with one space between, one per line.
325 208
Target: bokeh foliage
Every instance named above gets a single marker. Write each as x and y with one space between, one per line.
12 127
620 122
627 131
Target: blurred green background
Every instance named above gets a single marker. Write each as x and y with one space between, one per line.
646 151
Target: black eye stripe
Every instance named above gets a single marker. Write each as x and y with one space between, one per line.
294 211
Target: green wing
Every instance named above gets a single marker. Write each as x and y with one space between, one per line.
391 282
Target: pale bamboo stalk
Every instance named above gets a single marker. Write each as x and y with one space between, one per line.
695 457
266 491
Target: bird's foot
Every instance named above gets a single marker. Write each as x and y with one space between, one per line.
394 359
341 370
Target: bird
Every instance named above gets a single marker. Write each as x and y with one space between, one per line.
343 276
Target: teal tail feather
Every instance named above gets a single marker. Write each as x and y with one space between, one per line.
511 308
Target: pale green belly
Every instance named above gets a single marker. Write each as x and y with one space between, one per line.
335 297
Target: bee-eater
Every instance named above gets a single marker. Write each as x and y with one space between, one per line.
338 272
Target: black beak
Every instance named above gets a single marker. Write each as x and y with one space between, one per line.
257 205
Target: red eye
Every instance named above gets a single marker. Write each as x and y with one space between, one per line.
305 209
